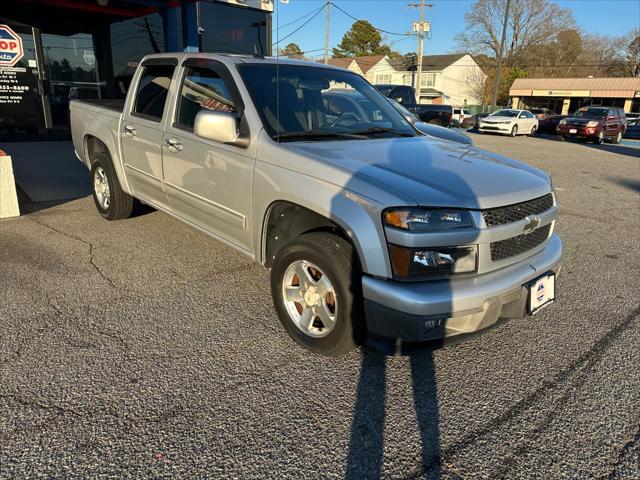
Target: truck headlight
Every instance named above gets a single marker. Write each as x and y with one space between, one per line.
422 263
592 124
422 220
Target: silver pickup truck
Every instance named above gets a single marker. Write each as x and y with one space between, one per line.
372 231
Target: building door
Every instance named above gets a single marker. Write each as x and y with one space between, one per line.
71 73
20 101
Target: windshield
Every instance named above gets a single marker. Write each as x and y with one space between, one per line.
299 102
505 113
590 113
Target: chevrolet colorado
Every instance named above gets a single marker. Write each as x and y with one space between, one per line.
371 229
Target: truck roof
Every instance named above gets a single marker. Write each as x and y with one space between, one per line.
236 58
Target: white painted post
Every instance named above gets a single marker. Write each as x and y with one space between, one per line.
8 196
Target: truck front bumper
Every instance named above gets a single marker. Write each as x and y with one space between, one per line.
441 309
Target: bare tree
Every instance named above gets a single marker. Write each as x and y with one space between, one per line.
531 22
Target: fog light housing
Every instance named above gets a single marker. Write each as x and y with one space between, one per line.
423 263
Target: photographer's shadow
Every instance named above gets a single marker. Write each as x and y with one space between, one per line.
366 445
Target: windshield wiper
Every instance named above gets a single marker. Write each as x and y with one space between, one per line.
382 130
315 135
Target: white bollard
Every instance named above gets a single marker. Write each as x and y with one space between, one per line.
8 196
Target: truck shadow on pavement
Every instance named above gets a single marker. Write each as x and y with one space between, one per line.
366 445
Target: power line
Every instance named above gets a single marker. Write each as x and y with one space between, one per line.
298 19
376 28
302 26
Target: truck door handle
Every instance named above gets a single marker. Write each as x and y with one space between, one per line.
174 143
130 130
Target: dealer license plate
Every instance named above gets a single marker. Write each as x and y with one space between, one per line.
573 130
542 292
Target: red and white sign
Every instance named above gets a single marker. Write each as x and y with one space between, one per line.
11 50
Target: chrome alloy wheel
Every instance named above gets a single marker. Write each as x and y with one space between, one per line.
101 188
310 298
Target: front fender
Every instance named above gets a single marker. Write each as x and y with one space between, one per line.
359 217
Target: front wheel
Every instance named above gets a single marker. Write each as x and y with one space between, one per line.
316 288
600 138
514 131
112 202
533 131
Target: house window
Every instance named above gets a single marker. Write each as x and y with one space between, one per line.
383 78
428 80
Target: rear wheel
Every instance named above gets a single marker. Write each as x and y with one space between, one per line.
514 131
112 202
617 139
316 288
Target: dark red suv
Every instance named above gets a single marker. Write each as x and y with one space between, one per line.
594 123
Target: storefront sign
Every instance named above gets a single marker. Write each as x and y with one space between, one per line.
11 50
561 93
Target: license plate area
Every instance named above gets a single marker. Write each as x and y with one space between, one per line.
542 292
573 130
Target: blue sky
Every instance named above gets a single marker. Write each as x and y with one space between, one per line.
605 17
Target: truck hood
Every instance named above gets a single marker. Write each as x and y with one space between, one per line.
494 119
430 172
581 120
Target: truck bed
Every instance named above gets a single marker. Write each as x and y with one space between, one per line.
112 104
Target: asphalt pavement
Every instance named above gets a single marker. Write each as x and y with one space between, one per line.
144 348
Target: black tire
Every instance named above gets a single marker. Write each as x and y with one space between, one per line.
599 139
120 203
617 139
337 259
514 131
561 138
533 131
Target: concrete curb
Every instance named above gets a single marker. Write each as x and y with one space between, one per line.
8 196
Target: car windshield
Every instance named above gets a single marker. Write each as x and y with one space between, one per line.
505 113
590 113
300 102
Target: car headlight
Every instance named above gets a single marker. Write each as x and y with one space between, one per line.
422 263
563 122
592 124
423 220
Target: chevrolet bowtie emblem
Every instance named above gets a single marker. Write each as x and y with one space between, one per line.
532 224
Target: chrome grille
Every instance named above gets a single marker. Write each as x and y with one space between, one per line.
513 213
520 244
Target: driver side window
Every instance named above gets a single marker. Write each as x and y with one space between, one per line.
202 88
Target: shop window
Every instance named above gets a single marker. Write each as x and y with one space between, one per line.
202 89
152 91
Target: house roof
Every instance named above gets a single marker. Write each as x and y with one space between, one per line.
429 62
598 87
367 62
341 62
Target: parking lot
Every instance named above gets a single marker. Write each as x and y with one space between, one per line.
144 348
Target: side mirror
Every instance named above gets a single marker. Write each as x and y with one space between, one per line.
398 99
217 126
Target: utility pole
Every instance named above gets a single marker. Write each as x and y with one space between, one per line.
422 28
326 34
502 42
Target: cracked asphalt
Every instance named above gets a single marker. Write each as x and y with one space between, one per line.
144 348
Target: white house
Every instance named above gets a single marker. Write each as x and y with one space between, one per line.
453 79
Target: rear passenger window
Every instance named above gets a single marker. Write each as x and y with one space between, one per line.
152 91
202 89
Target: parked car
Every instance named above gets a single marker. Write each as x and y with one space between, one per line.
459 114
473 122
633 129
430 129
631 116
550 124
428 113
509 121
594 123
541 113
370 229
